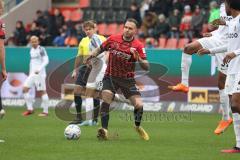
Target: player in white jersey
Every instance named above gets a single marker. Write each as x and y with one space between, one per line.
37 77
232 58
211 40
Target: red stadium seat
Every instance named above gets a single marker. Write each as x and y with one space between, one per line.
120 28
111 29
171 43
183 42
84 3
76 15
66 14
162 42
102 28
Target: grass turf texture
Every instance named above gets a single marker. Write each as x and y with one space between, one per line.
42 138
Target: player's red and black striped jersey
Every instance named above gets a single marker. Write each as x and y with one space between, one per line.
2 30
121 61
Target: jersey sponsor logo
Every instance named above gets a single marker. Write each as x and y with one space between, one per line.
232 35
226 18
121 54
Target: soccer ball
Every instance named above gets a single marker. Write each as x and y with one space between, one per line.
72 132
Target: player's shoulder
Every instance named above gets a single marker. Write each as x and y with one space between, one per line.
101 37
137 42
84 41
115 37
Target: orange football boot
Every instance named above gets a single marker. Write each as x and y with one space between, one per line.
179 88
222 126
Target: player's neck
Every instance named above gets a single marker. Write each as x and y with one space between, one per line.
235 13
127 39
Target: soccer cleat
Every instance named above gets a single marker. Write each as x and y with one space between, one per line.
28 112
222 126
76 121
86 123
179 88
233 150
102 134
142 133
2 113
43 114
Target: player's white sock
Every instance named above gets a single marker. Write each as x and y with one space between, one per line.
29 101
121 98
44 104
224 100
185 68
89 108
236 124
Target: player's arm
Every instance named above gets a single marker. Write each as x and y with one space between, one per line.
212 51
45 59
231 55
140 56
2 59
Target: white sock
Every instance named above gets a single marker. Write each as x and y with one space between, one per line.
224 100
236 124
121 98
44 104
185 68
89 108
29 101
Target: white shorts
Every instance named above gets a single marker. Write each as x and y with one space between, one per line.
96 76
36 80
214 42
232 84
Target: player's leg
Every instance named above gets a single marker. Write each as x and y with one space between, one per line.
130 91
78 91
136 101
224 100
107 95
27 97
2 111
40 84
186 62
232 87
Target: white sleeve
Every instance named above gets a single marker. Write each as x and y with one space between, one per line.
217 50
45 59
237 52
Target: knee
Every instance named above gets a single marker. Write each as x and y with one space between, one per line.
188 49
25 89
77 91
107 96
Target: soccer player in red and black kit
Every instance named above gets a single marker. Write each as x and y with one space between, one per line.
124 52
2 56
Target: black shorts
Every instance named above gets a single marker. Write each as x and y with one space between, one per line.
83 74
126 85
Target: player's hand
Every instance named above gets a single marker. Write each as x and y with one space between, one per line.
229 57
135 53
87 59
74 74
4 74
203 51
207 34
218 22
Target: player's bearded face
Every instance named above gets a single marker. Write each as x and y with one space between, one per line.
129 30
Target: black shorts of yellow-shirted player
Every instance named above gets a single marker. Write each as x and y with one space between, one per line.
124 50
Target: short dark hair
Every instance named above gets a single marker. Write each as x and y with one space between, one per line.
133 21
233 4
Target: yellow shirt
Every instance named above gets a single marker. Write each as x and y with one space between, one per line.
83 48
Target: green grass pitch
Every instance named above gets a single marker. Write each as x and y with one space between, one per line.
36 138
